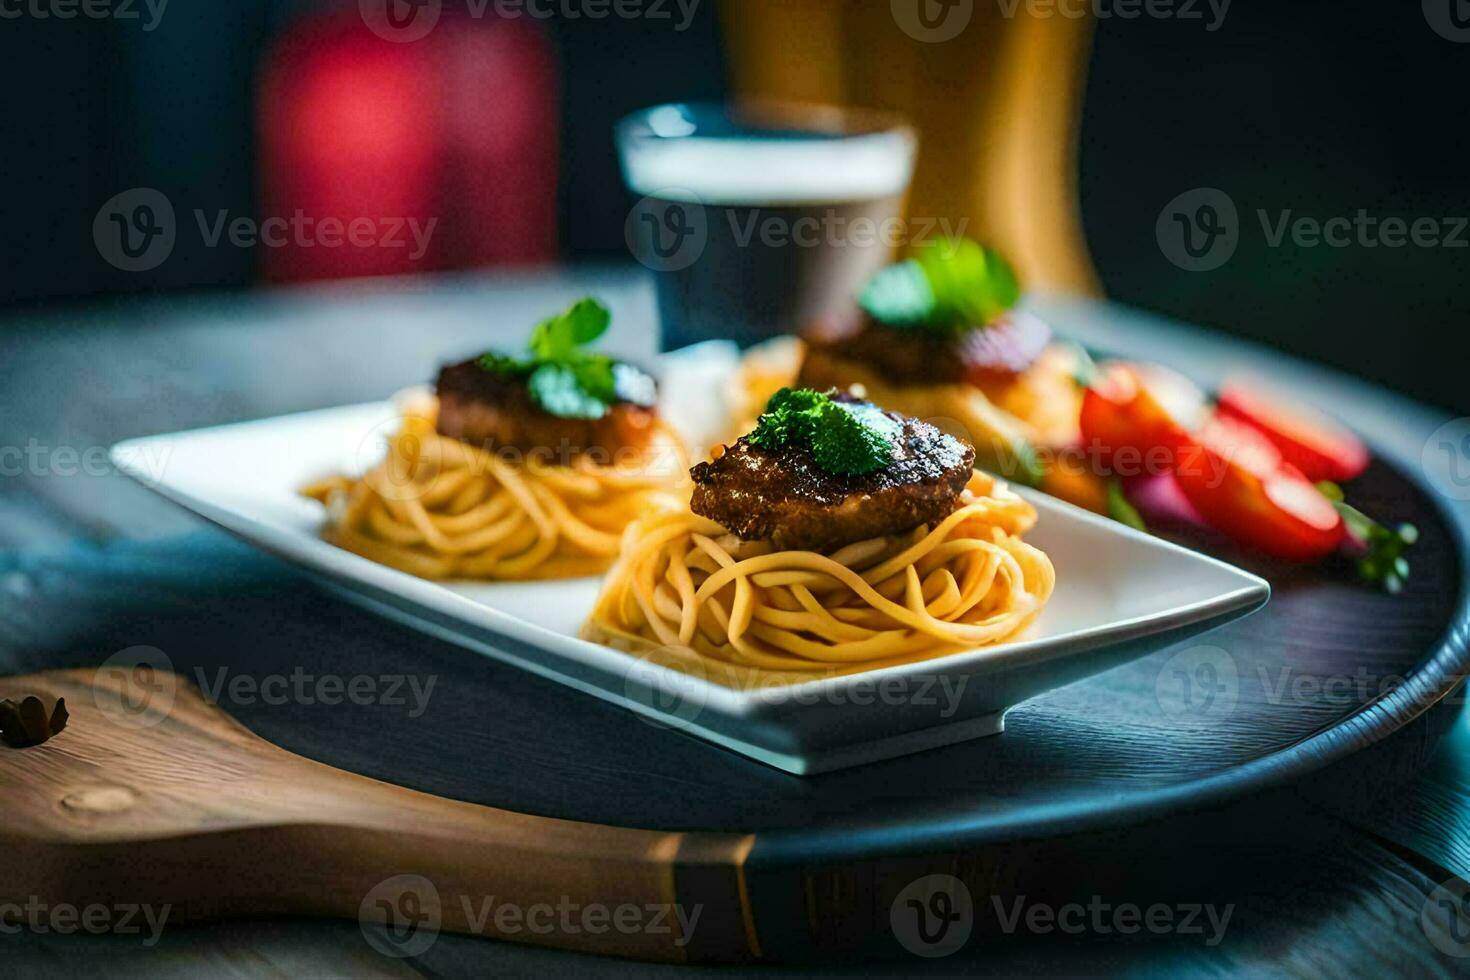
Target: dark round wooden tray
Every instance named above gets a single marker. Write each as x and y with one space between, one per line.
1326 667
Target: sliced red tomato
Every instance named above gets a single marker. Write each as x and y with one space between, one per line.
1313 443
1135 417
1239 483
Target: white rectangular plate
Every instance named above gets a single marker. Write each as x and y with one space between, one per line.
1120 594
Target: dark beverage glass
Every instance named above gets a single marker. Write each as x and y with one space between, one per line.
755 220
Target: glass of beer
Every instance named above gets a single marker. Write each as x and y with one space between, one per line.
757 219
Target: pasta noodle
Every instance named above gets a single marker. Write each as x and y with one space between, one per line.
685 586
441 508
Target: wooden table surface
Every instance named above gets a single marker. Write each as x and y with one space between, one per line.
1334 876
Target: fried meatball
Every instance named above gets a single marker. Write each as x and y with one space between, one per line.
784 496
910 356
497 411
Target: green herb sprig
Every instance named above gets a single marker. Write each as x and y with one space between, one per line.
949 286
1383 561
566 380
845 438
1121 509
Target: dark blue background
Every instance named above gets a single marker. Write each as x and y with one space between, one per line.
1320 107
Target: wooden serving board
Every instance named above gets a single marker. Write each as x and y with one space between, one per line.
154 796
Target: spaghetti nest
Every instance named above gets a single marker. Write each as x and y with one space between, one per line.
441 508
684 585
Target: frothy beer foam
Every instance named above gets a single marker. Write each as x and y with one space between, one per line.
768 171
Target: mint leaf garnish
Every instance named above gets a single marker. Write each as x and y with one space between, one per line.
948 286
845 438
564 379
558 337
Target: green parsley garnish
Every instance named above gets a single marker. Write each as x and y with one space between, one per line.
564 379
1382 561
1121 509
949 286
845 438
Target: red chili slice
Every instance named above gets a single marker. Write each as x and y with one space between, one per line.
1313 443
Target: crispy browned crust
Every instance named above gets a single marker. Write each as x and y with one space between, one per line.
497 412
919 357
785 497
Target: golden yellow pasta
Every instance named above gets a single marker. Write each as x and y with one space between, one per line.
441 508
684 585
